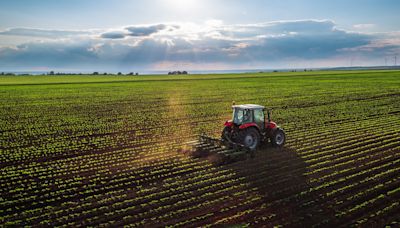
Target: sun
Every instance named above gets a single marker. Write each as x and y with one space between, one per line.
182 5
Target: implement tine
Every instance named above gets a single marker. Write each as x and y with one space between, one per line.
222 151
210 140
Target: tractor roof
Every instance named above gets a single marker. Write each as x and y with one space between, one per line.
248 106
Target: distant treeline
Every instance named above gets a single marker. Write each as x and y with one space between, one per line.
10 74
177 72
94 73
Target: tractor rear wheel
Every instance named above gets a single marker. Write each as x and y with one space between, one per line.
250 138
278 138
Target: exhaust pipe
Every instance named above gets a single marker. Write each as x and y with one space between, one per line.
269 115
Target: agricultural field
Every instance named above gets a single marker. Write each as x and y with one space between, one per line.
103 151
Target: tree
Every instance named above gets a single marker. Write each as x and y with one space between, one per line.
119 73
95 73
51 73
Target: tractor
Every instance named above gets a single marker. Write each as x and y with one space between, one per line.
248 129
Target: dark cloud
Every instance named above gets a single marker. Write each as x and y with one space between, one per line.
52 54
145 30
139 31
303 45
113 35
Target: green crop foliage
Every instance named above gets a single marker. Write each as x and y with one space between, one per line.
103 150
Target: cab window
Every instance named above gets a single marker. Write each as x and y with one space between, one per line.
259 116
247 117
238 116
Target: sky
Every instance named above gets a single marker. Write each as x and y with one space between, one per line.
165 35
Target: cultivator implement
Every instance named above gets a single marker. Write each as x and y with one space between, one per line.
218 151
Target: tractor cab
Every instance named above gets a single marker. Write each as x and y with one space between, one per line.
247 114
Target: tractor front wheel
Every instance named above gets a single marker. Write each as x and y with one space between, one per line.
250 138
278 138
226 133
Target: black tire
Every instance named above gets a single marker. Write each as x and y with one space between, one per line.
226 133
250 138
278 138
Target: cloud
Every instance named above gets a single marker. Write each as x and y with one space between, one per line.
113 35
145 31
299 26
364 26
31 32
271 44
50 54
138 31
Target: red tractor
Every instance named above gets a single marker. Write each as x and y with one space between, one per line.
241 136
250 127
